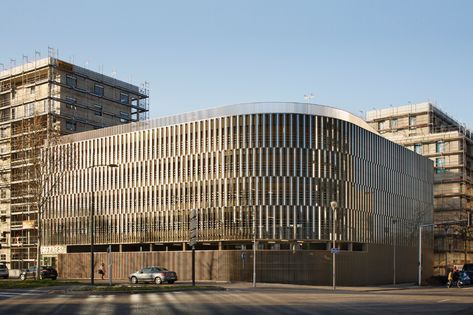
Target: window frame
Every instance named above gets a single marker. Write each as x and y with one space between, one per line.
418 148
68 81
123 100
98 110
71 123
99 90
70 102
124 117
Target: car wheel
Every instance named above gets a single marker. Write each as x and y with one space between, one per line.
23 277
158 280
134 280
171 281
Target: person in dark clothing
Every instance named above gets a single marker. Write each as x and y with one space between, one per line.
102 270
455 274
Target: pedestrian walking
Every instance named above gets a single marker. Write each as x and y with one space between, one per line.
102 270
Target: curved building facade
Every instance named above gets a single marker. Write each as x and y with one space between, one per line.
259 173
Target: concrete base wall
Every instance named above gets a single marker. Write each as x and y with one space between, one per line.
374 266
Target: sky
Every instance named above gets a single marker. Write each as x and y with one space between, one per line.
354 55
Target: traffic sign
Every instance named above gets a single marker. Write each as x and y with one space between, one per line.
335 250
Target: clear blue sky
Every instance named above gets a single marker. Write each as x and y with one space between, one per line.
355 55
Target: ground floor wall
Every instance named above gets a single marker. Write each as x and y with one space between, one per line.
373 266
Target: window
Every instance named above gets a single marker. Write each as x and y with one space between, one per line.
412 121
124 98
71 125
71 81
394 123
440 147
98 90
29 109
3 194
439 165
124 117
3 257
382 125
418 148
98 110
70 102
32 89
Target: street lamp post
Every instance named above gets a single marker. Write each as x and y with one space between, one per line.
92 219
254 247
333 204
394 221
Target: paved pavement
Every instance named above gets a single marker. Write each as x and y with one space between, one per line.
262 286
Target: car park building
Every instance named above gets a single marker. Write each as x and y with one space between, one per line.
257 173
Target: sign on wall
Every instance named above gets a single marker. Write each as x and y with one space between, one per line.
56 249
29 224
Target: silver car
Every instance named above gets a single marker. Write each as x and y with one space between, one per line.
154 274
3 271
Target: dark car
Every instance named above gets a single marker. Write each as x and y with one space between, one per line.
44 273
3 271
154 274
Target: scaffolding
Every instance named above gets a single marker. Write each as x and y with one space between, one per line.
449 144
37 91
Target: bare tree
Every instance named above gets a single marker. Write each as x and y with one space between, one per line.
39 169
464 233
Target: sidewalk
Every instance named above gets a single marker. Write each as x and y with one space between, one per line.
275 286
270 286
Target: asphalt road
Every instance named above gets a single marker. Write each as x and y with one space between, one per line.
242 299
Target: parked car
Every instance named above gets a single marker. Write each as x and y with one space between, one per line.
4 271
44 273
465 278
468 269
154 274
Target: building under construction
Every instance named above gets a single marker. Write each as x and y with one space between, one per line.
38 100
429 131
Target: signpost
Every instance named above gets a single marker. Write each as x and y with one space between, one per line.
335 250
109 254
193 240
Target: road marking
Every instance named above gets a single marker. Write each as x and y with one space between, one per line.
441 301
136 298
16 293
110 298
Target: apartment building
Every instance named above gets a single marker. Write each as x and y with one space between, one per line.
259 176
429 131
40 100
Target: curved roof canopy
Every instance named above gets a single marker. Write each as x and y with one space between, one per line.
225 111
